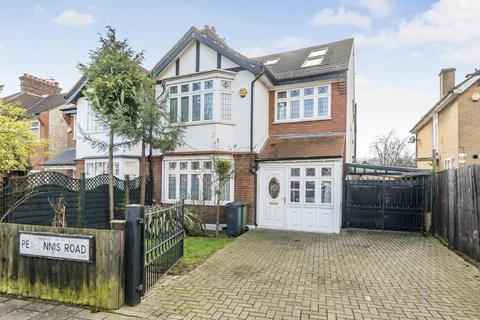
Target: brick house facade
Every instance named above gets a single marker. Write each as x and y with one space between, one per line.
449 131
287 120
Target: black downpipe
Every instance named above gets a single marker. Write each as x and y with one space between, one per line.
253 168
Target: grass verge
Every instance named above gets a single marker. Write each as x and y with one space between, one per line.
197 250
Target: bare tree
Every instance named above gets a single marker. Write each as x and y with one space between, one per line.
391 150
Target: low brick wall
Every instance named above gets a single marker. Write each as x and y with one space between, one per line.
99 284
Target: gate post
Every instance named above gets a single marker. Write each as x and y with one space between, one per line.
134 253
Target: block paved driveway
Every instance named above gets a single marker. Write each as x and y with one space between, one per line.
291 275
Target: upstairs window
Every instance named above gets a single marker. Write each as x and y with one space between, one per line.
300 104
93 123
200 100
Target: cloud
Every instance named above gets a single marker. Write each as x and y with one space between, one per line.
290 43
451 23
38 8
342 17
388 107
377 8
252 52
73 18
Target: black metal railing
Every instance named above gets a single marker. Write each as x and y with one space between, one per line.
163 241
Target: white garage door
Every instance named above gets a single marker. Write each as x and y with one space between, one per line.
302 196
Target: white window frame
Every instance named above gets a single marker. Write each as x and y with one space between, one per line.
189 172
318 179
449 163
93 123
216 92
315 96
118 164
36 127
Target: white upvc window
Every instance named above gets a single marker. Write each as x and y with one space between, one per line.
36 128
194 181
449 163
93 122
121 168
311 185
303 104
199 101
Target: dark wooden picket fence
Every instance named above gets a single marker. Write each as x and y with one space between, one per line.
456 209
86 200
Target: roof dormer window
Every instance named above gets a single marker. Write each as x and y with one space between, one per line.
312 62
317 53
271 61
315 58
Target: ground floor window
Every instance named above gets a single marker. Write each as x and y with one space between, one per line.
310 185
121 168
195 181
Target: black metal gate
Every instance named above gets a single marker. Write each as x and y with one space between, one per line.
385 204
163 241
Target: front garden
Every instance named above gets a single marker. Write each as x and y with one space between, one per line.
197 250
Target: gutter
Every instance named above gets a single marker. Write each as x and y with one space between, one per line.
252 87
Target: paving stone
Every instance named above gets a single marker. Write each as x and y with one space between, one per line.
292 275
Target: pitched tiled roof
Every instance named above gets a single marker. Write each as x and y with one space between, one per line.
64 158
35 104
289 65
303 147
47 103
23 99
448 96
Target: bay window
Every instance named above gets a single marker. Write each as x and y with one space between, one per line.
196 184
121 168
300 104
200 100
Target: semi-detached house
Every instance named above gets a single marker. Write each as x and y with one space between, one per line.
289 118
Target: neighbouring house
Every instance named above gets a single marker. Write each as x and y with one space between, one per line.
289 118
44 101
449 133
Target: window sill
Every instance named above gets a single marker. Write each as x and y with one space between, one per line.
301 120
201 123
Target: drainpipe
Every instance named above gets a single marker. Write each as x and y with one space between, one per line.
253 168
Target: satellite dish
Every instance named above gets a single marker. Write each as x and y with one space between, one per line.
475 97
412 139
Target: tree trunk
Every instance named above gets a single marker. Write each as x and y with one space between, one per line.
110 177
143 174
218 220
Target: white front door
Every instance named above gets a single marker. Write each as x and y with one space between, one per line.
274 197
302 196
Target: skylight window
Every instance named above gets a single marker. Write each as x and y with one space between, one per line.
271 61
312 62
318 53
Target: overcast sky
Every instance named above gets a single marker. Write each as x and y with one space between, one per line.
400 46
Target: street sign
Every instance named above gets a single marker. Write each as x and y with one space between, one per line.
57 246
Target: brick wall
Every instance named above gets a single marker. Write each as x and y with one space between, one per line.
469 128
39 158
38 86
424 146
338 123
243 188
57 131
245 184
157 177
448 135
80 167
69 120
